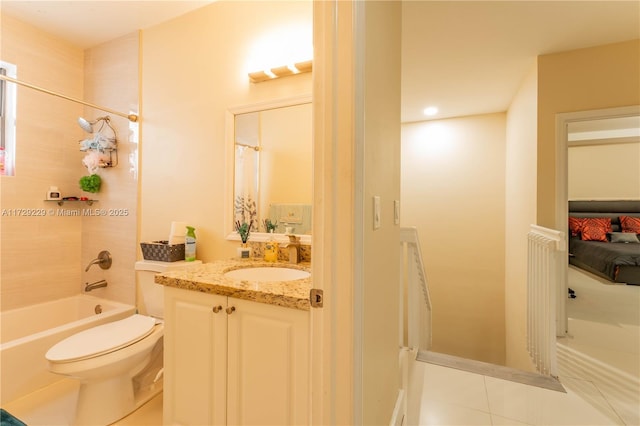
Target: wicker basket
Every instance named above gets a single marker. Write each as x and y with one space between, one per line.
162 251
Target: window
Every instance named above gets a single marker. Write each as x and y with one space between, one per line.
7 120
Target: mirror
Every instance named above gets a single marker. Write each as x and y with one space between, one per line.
270 156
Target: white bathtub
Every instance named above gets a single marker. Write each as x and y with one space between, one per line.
27 334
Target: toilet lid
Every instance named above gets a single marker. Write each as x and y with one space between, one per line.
101 339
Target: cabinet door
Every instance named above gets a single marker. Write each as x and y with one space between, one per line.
268 365
194 358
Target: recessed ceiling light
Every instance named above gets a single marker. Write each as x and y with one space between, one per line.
430 110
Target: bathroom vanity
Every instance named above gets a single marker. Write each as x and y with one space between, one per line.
236 351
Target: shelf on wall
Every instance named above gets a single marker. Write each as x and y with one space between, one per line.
61 202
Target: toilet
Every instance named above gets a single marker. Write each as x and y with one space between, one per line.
118 364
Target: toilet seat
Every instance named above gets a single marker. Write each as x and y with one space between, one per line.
102 339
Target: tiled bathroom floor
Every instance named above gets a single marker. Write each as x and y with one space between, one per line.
598 373
55 404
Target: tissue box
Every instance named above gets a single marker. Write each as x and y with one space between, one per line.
162 251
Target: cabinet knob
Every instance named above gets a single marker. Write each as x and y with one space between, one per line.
217 309
231 310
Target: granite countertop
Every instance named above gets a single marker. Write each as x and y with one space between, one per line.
209 278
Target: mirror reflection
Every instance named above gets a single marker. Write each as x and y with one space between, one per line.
272 169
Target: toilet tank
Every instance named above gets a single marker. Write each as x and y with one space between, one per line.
151 295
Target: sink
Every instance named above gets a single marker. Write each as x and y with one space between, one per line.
267 274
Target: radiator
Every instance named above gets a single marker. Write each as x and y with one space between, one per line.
545 287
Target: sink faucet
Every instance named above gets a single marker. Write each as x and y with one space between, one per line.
103 260
294 249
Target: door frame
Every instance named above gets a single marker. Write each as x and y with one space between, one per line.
562 183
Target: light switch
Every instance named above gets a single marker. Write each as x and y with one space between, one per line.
376 211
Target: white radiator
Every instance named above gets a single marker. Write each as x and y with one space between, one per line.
415 309
545 288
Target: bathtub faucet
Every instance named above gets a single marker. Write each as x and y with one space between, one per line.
93 286
103 260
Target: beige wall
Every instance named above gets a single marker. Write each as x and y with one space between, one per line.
604 172
585 79
41 255
111 79
520 212
285 159
47 154
378 174
453 191
195 68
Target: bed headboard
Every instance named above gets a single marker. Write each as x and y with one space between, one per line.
610 208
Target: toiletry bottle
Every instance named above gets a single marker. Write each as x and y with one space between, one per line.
271 249
190 244
53 193
2 160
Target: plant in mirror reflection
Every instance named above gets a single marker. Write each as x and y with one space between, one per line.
246 211
270 226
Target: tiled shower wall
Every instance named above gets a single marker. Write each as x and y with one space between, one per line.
111 80
44 247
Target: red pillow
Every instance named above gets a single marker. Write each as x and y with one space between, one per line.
596 228
575 225
630 224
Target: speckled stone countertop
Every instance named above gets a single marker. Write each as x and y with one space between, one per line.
209 278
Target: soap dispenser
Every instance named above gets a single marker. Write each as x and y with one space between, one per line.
190 244
271 249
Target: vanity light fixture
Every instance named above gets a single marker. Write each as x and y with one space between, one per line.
283 71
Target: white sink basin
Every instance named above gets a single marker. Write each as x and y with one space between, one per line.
267 274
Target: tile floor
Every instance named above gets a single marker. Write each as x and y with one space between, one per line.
599 363
454 397
599 368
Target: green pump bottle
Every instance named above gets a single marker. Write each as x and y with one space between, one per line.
190 244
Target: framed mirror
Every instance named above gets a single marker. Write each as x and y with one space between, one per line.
269 169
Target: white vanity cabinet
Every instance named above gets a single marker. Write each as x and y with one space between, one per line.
233 361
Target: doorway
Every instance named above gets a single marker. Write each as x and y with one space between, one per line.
563 123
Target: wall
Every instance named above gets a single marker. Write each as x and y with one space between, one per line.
585 79
111 79
356 363
285 160
41 254
67 238
377 263
453 191
520 212
604 172
195 68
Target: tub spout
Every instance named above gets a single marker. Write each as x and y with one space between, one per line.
93 286
103 260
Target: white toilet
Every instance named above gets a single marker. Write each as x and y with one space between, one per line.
119 364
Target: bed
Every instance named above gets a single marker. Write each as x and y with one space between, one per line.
616 256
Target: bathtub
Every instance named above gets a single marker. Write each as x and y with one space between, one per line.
27 334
